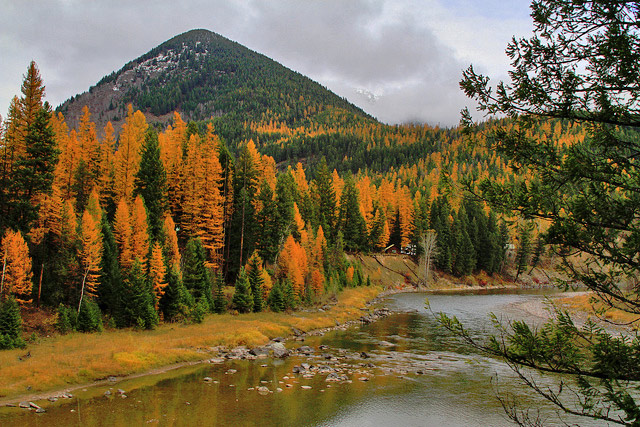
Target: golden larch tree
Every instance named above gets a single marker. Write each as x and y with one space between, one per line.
157 272
127 158
90 256
140 232
122 233
171 241
16 276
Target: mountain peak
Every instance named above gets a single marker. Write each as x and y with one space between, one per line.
204 75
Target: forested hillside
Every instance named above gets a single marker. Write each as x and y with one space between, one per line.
152 224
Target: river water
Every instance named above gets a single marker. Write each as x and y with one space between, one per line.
413 373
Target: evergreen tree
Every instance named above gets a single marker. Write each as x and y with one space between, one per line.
10 324
89 317
440 222
580 66
395 238
326 197
195 275
284 204
136 301
151 184
276 298
110 280
524 247
34 171
289 295
352 225
67 319
219 302
242 297
176 302
256 282
268 237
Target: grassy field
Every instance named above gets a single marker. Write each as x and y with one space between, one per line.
66 360
586 303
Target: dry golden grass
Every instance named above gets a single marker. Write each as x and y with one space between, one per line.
586 303
78 358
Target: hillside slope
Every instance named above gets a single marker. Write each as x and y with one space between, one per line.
202 75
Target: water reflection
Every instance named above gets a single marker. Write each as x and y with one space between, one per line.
411 373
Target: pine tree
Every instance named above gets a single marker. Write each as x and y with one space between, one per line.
256 282
352 224
195 275
10 324
395 238
89 317
276 298
176 302
242 296
524 247
151 184
326 197
219 302
33 176
136 300
110 282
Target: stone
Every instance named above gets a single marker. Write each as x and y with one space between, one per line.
305 349
258 351
40 411
279 350
231 371
207 379
297 332
364 355
305 387
112 379
263 390
107 393
34 406
120 391
24 405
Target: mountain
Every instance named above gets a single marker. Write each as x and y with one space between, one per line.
202 75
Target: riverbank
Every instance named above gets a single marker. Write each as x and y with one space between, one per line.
78 359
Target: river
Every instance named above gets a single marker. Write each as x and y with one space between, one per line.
412 373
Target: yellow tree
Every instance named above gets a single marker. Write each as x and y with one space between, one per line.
127 158
16 268
107 171
292 263
157 272
171 241
90 256
122 233
140 232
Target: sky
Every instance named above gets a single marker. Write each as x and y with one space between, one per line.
399 60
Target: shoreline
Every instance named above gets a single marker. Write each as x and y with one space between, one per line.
353 317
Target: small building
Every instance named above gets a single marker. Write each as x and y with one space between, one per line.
392 249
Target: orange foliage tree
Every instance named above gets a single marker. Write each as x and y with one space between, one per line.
90 256
157 272
16 268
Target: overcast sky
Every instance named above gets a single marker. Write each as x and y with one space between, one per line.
399 60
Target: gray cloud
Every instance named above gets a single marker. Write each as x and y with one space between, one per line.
398 60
